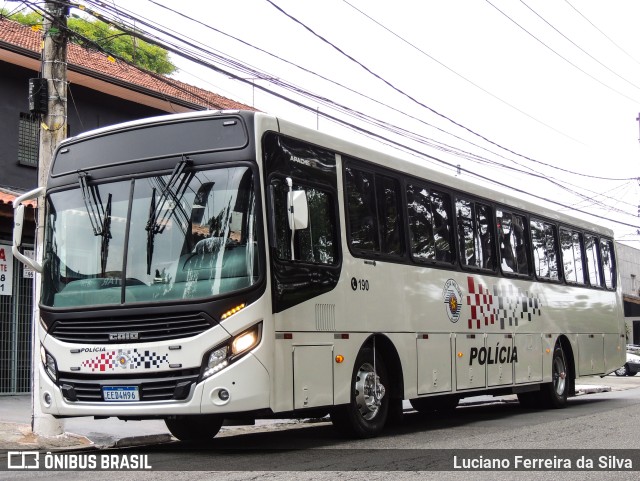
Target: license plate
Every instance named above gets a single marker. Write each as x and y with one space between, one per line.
120 393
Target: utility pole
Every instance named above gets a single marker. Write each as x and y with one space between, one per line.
53 129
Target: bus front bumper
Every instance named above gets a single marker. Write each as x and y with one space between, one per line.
241 387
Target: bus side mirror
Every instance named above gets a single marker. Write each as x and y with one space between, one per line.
298 210
18 219
18 222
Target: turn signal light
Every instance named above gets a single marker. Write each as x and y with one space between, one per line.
231 312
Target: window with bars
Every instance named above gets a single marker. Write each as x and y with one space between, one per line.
28 140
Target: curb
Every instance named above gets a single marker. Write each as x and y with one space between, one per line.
136 441
592 389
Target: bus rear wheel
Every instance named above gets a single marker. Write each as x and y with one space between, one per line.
366 413
554 394
194 428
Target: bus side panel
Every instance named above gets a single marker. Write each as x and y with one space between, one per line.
591 354
528 368
471 372
612 348
434 363
312 376
499 363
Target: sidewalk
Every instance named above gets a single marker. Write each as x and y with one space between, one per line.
87 433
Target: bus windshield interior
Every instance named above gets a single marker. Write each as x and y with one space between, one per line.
188 235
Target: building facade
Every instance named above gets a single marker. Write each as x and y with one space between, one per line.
629 266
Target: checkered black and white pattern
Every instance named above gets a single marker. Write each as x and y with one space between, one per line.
506 305
125 359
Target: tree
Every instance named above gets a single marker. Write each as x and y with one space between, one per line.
112 40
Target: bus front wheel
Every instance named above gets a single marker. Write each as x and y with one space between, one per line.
366 413
194 428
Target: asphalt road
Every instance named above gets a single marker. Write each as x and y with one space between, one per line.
593 426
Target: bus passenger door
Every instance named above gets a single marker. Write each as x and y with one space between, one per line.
434 363
471 359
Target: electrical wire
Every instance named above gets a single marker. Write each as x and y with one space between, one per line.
369 133
579 47
587 197
602 33
517 109
561 56
439 146
397 89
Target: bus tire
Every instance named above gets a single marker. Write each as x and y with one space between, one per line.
622 371
442 404
194 428
366 414
554 394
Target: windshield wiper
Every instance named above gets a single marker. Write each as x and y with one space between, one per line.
159 215
92 203
106 235
99 216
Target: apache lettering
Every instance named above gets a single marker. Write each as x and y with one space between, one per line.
501 355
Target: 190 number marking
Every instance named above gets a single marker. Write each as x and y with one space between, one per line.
359 284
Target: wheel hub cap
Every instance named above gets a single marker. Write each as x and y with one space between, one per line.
369 391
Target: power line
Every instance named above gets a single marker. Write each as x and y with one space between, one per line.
193 57
406 134
602 33
579 47
560 55
459 74
342 52
384 125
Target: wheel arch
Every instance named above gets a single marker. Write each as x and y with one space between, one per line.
387 350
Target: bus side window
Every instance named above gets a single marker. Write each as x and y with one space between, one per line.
363 219
442 226
429 224
512 244
608 263
571 244
544 241
375 221
476 234
317 243
591 252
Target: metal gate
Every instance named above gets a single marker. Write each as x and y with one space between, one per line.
16 311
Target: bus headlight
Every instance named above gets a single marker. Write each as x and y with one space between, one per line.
49 363
236 347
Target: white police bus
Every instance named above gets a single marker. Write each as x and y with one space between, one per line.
232 265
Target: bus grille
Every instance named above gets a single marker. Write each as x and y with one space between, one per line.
152 387
113 330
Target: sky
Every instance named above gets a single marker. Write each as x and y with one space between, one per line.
545 86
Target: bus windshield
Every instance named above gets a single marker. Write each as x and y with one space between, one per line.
188 235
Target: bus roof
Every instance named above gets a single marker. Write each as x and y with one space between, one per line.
405 164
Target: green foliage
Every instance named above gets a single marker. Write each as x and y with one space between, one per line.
112 40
